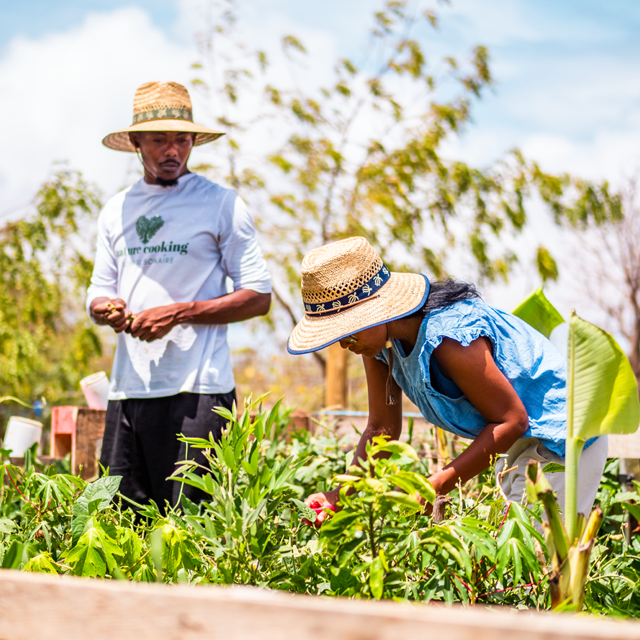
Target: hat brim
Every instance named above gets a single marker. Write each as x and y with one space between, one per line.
401 295
119 140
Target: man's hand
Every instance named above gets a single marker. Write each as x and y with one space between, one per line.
112 312
154 323
320 500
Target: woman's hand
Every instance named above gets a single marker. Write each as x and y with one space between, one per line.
321 501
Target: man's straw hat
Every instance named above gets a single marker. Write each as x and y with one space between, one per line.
346 288
160 106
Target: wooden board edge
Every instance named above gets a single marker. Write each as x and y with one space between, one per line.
57 607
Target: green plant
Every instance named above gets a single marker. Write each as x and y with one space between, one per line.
250 529
614 577
367 527
247 525
602 398
383 545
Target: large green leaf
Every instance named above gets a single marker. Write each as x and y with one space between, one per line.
97 496
376 578
95 553
633 509
538 312
42 563
602 393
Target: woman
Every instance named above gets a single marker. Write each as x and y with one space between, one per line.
472 370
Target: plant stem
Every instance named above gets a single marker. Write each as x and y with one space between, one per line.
133 502
140 559
574 449
372 540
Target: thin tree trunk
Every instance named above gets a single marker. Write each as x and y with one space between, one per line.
318 357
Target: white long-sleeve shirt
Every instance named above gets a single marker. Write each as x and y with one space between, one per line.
160 245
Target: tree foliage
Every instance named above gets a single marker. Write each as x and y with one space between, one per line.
606 263
365 153
46 340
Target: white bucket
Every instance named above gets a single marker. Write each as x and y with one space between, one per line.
21 434
96 390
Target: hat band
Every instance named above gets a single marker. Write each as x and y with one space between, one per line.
361 294
162 114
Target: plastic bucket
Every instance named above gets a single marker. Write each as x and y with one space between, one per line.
96 390
21 434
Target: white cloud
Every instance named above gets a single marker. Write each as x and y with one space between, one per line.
611 155
67 90
64 92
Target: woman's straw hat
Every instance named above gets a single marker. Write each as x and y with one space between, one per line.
160 106
346 288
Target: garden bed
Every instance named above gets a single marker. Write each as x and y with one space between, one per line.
251 529
65 608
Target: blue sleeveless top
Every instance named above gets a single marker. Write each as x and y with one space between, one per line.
535 368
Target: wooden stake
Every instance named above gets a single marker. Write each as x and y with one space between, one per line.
336 378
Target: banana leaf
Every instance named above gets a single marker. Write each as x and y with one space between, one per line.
539 313
602 392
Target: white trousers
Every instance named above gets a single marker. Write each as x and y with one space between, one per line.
592 462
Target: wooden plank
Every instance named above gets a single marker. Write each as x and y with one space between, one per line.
351 425
299 421
89 432
335 395
63 431
624 446
66 608
79 431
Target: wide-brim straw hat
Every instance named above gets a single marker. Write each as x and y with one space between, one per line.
161 106
347 288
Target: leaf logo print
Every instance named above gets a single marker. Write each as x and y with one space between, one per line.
146 228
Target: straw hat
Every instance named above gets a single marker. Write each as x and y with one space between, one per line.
346 288
160 106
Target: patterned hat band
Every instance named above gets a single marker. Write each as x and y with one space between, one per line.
366 292
162 114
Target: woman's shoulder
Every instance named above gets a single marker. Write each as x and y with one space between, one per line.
459 314
463 321
471 319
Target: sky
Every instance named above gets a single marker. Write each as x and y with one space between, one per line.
567 81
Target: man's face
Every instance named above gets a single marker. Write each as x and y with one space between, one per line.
164 153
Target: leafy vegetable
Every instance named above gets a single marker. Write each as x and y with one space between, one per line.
250 529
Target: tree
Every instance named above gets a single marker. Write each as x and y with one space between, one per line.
607 264
46 340
364 155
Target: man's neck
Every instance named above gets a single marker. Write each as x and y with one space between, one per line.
149 178
166 183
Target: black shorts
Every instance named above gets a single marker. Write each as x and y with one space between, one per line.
140 442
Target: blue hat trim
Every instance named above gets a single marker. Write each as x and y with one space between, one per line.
332 311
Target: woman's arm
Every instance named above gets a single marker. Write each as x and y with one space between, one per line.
384 420
474 370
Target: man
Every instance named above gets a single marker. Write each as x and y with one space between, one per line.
165 248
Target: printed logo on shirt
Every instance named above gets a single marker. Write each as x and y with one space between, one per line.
136 254
146 228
